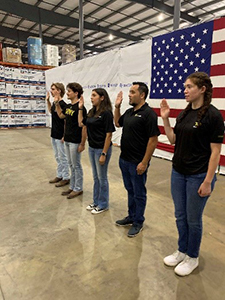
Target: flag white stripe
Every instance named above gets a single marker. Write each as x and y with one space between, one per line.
172 121
218 81
217 59
218 36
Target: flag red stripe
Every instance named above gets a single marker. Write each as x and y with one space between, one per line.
219 24
218 47
173 112
222 160
217 70
162 131
218 93
170 148
165 147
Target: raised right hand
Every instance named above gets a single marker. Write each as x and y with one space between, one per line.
48 96
164 109
81 102
119 99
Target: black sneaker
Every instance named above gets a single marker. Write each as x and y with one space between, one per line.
135 229
124 222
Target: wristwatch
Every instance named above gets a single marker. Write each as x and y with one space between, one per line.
103 153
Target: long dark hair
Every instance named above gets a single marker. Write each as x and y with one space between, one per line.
105 104
200 79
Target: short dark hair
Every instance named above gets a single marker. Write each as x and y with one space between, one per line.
75 87
142 88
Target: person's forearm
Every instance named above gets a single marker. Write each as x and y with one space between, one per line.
117 115
80 117
107 142
169 131
152 143
49 104
59 111
84 135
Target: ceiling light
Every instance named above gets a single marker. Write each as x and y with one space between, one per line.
160 17
110 37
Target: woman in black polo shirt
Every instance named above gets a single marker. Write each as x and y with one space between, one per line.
74 138
100 126
197 135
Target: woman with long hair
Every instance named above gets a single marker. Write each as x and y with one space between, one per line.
99 122
197 135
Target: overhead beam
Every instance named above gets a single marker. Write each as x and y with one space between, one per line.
12 34
30 12
166 8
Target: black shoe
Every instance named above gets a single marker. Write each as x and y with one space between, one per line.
124 222
135 230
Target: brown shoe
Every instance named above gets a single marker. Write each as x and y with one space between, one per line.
62 183
65 193
57 179
74 194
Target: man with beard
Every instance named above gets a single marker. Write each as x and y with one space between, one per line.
138 142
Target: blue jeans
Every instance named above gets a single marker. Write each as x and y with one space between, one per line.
76 179
60 156
101 184
137 193
189 208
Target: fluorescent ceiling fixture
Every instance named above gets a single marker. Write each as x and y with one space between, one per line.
160 17
110 37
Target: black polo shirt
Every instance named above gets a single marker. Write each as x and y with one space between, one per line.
97 127
192 147
57 130
73 133
138 127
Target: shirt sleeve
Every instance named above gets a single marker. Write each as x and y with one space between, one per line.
108 121
64 109
217 128
121 119
152 128
84 116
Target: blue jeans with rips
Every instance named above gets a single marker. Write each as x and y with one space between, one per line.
189 208
61 159
101 184
136 190
73 156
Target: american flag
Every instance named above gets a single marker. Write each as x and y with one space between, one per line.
176 55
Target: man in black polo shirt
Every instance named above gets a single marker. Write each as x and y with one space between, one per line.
138 142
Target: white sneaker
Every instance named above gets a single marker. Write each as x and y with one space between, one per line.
91 206
174 259
97 210
186 266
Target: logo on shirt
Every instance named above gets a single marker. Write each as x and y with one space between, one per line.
137 115
197 124
69 112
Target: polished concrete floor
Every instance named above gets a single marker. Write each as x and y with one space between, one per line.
51 248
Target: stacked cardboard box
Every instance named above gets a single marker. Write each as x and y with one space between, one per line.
68 54
34 47
12 55
22 97
50 55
